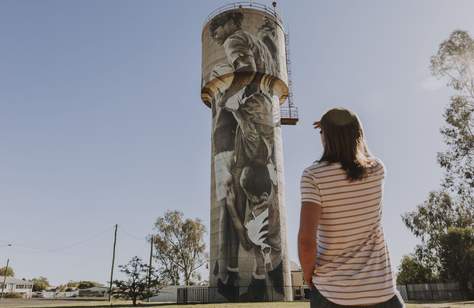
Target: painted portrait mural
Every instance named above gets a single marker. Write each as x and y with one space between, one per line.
243 79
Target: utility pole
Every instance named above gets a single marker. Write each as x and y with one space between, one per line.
4 279
113 261
149 266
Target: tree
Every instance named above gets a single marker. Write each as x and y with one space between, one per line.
88 284
83 284
39 284
430 221
138 284
179 247
9 272
412 271
453 204
457 256
455 60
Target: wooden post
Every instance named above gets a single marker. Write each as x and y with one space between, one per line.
149 266
113 261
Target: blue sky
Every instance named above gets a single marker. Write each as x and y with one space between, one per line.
101 120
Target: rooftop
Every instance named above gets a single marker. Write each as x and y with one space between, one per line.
15 280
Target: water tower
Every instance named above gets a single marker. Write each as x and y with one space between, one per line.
245 82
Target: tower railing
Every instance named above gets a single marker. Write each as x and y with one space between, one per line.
245 4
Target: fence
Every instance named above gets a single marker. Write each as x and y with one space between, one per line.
432 291
429 292
193 295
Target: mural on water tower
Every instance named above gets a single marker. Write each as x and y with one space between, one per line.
245 173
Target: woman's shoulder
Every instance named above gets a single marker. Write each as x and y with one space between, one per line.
318 167
376 165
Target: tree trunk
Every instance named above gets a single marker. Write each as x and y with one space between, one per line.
187 278
463 285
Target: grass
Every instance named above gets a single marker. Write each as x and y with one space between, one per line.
44 303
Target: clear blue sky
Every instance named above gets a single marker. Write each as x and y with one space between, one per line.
101 120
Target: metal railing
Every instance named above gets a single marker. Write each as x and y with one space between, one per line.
203 295
433 291
289 112
245 4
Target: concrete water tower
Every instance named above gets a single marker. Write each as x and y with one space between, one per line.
244 82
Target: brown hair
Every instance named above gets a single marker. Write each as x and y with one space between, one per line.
344 142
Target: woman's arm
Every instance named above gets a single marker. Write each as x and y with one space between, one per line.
309 221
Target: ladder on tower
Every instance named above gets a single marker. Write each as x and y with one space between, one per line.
288 111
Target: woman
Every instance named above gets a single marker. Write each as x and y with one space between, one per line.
341 245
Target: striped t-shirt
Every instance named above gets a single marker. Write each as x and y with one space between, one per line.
352 263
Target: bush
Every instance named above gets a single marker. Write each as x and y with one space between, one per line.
457 256
412 271
13 295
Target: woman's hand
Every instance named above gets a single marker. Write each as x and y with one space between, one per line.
309 221
308 278
243 238
238 226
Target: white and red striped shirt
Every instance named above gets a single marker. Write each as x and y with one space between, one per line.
352 263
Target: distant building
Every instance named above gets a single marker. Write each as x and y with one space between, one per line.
54 293
300 289
18 286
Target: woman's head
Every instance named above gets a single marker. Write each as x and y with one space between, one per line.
343 141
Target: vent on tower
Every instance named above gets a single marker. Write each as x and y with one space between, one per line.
288 111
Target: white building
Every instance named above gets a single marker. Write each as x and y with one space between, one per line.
13 285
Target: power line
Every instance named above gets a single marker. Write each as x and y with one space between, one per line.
93 237
131 235
62 248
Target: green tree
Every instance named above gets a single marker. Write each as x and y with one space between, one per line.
138 284
180 247
457 256
412 271
85 284
9 272
453 204
430 221
73 285
39 284
455 60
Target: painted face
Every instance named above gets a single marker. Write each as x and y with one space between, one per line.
220 34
